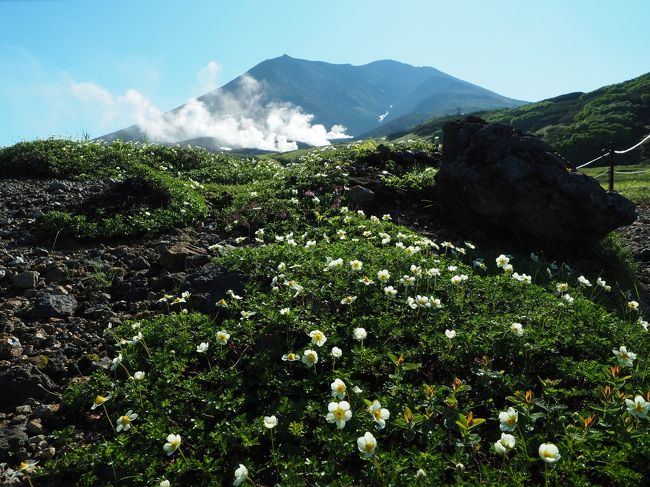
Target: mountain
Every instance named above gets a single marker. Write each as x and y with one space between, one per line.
578 125
361 98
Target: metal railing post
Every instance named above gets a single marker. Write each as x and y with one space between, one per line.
611 167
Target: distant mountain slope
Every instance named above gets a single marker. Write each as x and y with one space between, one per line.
579 125
359 97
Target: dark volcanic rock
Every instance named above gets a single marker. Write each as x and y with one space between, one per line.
210 285
360 197
54 306
25 280
181 256
492 174
13 442
21 382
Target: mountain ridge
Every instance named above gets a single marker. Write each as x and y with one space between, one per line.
361 98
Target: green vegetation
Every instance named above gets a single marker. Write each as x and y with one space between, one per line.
344 306
579 125
633 181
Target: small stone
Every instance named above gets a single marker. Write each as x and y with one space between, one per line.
175 257
51 305
24 409
34 427
56 274
25 280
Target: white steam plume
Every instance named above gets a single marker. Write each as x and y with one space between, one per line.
236 120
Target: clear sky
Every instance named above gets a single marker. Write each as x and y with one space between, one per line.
66 65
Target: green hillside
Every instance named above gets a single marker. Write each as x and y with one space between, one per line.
579 125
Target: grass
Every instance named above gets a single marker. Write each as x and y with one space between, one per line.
628 180
444 370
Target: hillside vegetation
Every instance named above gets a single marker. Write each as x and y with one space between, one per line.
579 125
358 352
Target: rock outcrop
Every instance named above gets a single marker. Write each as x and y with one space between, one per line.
493 174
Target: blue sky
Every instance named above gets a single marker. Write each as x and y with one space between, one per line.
67 66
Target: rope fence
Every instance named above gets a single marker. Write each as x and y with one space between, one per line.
610 152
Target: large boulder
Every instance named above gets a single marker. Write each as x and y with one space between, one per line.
495 175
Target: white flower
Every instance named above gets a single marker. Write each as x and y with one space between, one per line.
164 483
561 287
231 294
116 361
639 407
336 352
270 421
245 315
379 414
341 234
407 281
632 306
339 413
310 243
333 263
603 284
502 261
517 329
522 278
367 444
348 300
506 443
433 272
420 475
203 347
222 337
411 250
318 338
124 422
386 217
139 375
422 301
338 388
359 334
290 357
508 419
452 268
450 334
457 280
100 400
508 268
624 357
222 303
568 298
583 281
284 311
411 303
356 265
310 358
241 474
366 281
390 291
383 275
643 323
549 453
416 270
173 443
